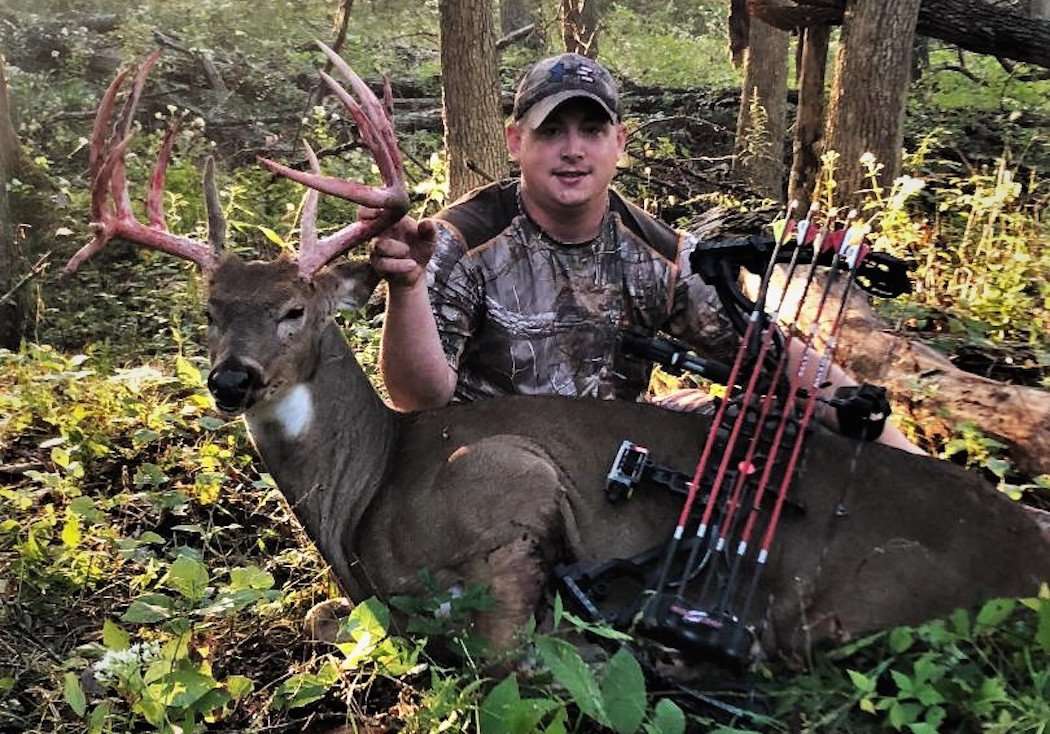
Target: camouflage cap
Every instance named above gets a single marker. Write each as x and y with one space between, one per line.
551 81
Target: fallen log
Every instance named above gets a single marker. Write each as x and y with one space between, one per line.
933 391
980 27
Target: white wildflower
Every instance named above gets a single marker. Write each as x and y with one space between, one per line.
868 159
120 665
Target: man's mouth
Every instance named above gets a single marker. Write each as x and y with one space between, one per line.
570 176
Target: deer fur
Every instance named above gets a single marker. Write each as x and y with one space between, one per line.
495 492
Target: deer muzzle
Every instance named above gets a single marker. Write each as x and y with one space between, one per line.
233 383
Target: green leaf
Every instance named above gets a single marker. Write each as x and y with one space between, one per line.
71 531
149 608
250 577
273 237
60 456
668 718
557 726
98 718
75 694
571 672
210 423
867 705
902 714
559 609
861 682
1042 635
598 630
623 692
904 685
961 622
188 373
305 688
994 612
496 708
187 576
901 638
239 686
114 637
183 687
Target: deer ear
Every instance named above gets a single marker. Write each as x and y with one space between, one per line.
349 284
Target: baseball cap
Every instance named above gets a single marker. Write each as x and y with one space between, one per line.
554 80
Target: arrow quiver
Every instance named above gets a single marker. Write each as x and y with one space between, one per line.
697 593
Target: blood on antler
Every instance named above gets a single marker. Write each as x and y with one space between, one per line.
376 129
112 215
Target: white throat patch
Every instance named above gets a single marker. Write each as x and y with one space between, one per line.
293 411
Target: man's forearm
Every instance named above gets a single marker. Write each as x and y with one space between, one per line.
837 377
411 359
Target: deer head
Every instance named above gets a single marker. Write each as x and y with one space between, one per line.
264 318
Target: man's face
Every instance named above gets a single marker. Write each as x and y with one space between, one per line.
568 161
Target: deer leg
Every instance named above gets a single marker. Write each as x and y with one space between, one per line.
507 500
515 575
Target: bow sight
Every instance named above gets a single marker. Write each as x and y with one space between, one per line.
698 593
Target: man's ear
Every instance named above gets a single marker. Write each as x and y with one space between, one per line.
513 133
621 136
348 284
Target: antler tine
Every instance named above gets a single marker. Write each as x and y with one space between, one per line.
110 202
374 110
96 156
155 198
308 225
216 220
376 131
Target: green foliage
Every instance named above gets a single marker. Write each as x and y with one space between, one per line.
968 81
986 672
670 44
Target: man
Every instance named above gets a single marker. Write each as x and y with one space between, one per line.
530 280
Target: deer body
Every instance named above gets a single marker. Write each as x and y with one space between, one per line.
496 492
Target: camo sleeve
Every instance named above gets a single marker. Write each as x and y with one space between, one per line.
697 315
456 293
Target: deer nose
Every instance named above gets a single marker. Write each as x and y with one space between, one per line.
231 383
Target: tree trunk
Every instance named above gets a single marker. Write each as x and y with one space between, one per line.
763 111
515 14
972 25
872 74
927 386
580 23
12 264
471 95
809 120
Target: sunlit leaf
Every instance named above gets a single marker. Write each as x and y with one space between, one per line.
74 694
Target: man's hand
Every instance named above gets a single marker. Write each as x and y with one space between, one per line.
400 255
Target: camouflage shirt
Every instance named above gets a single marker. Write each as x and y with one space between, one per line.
519 313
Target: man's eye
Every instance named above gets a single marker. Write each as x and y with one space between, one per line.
209 318
293 314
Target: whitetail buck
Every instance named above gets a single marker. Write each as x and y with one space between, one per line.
495 492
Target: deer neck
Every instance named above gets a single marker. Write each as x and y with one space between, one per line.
326 442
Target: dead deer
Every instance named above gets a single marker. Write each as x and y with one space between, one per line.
495 492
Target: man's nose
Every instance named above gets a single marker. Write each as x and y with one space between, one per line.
572 146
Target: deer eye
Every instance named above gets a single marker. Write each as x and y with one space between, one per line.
293 314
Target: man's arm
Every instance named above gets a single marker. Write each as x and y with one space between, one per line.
837 377
411 359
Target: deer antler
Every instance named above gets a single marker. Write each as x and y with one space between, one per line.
376 129
111 214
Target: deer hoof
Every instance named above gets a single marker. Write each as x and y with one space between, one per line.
322 622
